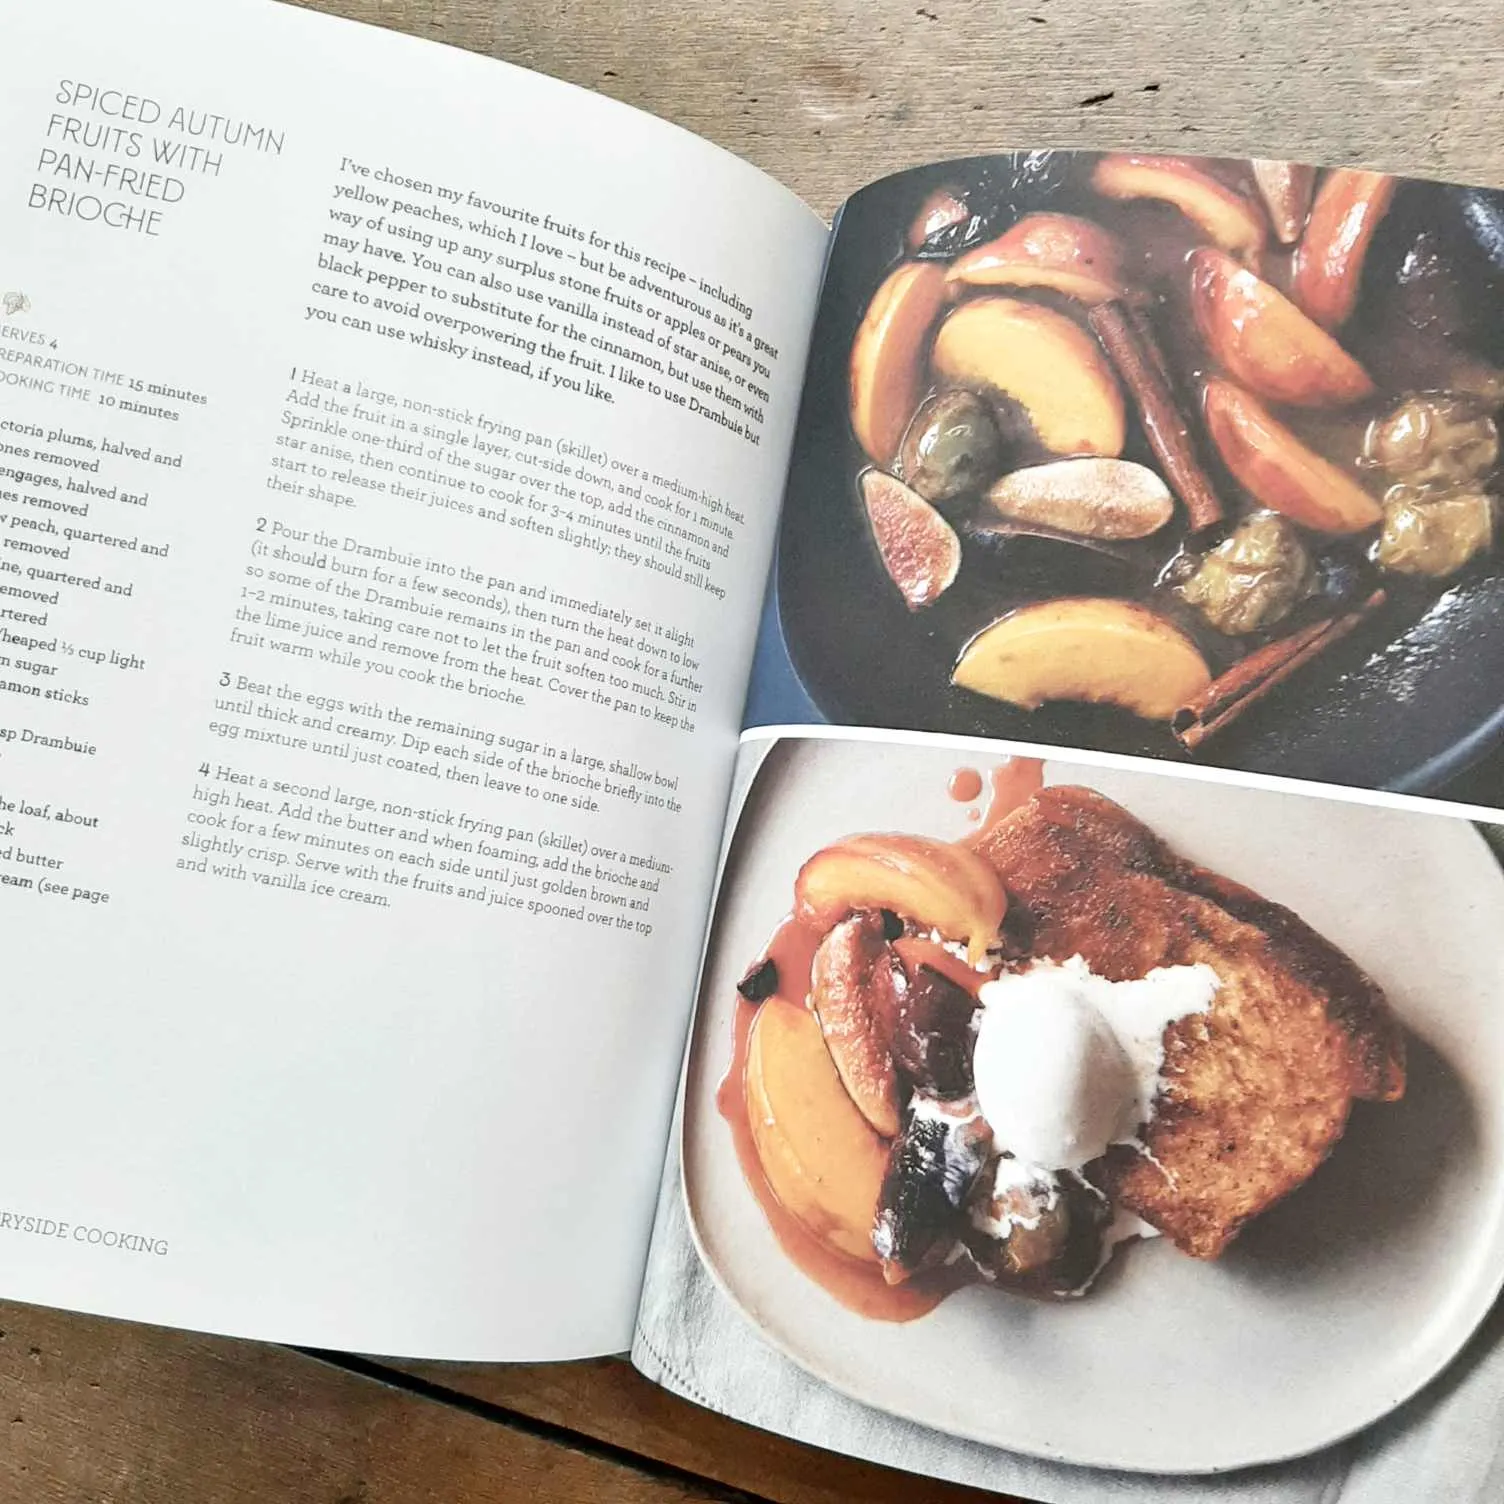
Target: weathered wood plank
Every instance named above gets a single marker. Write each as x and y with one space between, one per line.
118 1414
827 97
610 1400
123 1414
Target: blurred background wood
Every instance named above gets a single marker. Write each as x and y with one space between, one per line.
825 96
107 1413
829 94
104 1412
607 1399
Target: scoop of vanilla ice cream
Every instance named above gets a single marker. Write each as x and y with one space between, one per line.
1068 1062
1052 1079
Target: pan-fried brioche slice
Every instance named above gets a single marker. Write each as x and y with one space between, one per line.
1258 1089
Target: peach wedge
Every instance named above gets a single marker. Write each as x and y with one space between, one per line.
1230 220
1265 343
1098 650
1329 259
887 356
1055 251
1271 463
937 884
821 1159
1051 367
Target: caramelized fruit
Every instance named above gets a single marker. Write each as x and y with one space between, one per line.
821 1159
936 884
855 989
1051 367
1230 220
887 356
1279 470
918 547
1103 651
1263 341
1058 252
932 1034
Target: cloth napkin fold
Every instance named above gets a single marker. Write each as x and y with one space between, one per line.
1445 1446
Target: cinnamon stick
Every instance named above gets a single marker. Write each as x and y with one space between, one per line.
1131 347
1250 679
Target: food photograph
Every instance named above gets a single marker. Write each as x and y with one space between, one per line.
1172 456
1098 1114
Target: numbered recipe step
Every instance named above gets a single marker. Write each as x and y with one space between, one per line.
399 615
329 841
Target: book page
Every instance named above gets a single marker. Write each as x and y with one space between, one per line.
1096 1053
390 449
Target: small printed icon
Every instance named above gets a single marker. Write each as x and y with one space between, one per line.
14 303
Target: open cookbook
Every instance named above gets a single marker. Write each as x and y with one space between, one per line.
898 819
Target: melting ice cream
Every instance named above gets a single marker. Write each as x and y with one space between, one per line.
1068 1062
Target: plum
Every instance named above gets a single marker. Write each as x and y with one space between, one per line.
932 1167
932 1035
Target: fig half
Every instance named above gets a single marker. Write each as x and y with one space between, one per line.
918 547
855 987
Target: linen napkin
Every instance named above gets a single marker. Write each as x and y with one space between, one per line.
1445 1446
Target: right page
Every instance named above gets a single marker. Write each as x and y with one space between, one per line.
1094 1086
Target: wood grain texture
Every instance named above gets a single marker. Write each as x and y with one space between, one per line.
110 1413
609 1400
825 96
114 1413
829 95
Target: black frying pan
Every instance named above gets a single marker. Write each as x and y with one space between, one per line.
1413 698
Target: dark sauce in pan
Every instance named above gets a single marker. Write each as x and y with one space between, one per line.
1404 354
1431 313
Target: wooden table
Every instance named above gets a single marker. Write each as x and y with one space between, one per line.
825 96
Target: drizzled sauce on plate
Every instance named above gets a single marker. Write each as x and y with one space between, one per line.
856 1284
965 785
1010 784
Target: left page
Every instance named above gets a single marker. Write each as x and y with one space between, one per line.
390 448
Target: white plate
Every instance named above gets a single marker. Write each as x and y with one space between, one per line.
1327 1312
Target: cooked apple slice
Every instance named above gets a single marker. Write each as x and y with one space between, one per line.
936 884
1231 221
1285 188
1279 470
1102 651
822 1160
1329 259
1055 251
854 988
919 548
887 356
1264 342
1050 366
1090 498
